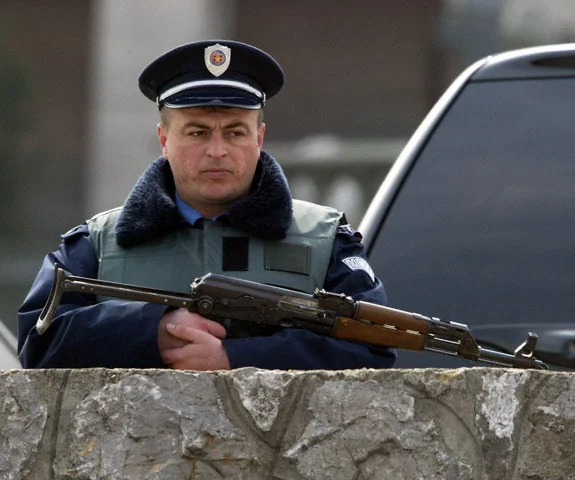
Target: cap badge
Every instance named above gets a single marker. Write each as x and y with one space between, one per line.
217 58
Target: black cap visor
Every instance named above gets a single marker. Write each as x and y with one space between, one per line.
212 96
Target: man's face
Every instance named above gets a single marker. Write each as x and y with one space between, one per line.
213 154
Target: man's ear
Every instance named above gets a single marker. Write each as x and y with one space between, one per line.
261 133
163 138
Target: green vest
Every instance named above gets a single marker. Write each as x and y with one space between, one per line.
173 261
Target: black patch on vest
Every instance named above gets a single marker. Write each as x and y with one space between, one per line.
288 257
235 254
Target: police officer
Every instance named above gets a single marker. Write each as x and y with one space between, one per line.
213 202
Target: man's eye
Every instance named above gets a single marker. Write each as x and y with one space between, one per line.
196 133
237 133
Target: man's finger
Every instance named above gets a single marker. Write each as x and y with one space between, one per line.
214 328
195 334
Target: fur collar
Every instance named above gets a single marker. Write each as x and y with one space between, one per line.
150 210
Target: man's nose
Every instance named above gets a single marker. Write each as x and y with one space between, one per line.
217 146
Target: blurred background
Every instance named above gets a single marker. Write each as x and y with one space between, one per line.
76 133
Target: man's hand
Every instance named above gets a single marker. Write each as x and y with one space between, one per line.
188 341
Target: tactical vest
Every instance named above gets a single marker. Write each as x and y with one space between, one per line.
173 261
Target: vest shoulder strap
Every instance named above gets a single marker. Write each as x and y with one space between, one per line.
101 227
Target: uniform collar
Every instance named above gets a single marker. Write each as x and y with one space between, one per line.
188 214
191 215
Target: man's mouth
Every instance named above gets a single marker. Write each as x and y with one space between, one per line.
216 172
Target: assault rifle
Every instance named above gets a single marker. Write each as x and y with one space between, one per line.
222 298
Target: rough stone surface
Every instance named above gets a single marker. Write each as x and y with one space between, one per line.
252 424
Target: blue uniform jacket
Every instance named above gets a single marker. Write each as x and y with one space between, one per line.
124 334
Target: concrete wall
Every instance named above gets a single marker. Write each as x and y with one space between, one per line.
254 424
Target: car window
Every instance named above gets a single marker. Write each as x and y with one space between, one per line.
482 230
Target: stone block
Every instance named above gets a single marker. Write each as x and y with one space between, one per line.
477 423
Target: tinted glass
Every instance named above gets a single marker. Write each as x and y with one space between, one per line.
483 230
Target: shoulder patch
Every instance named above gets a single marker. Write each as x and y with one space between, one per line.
359 263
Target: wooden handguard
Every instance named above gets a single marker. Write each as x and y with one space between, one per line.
397 328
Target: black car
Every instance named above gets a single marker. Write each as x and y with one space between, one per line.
475 222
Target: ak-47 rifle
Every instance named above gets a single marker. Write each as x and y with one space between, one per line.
222 298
